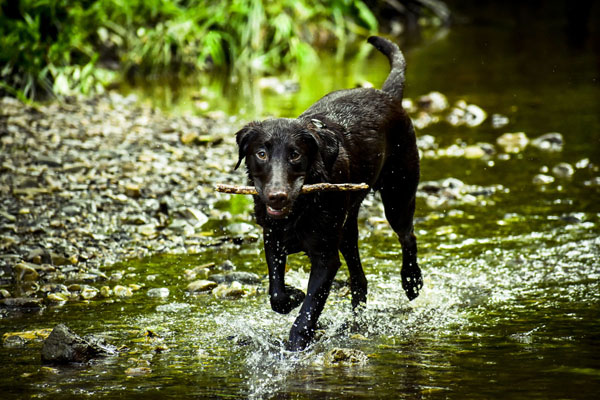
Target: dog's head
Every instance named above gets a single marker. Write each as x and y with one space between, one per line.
281 154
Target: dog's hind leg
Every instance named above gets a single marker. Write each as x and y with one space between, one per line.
400 178
349 249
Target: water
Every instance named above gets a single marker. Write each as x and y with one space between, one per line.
511 302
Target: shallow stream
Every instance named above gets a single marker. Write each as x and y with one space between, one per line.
511 302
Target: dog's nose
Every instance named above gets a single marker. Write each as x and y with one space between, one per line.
278 197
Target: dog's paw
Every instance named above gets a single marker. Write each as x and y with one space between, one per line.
285 302
412 282
299 339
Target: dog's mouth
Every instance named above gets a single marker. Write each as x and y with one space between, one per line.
278 212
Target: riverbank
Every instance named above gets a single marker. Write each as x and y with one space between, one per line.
86 183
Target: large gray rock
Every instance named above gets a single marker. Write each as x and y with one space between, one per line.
65 346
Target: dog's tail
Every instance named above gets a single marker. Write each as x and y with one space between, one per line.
394 84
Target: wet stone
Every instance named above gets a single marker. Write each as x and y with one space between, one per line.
513 142
345 357
160 293
542 179
201 286
563 170
64 346
21 303
122 291
233 291
248 278
25 272
552 141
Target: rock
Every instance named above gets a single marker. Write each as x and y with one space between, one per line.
21 303
583 163
25 272
196 217
161 293
474 152
248 278
17 339
133 190
106 291
563 170
541 179
64 346
474 115
433 102
89 293
4 294
593 182
122 291
426 142
552 141
240 228
466 114
57 297
234 291
513 142
138 371
227 265
188 137
201 286
134 287
39 256
344 357
499 121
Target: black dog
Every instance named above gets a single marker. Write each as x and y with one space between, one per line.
356 135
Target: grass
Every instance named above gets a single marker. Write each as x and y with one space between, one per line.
65 47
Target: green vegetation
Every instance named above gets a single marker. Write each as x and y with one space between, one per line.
64 47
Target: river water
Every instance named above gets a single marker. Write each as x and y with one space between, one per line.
511 301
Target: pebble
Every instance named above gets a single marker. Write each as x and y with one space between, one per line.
433 102
466 114
95 180
345 357
499 121
122 291
563 170
541 179
25 272
201 286
248 278
233 291
161 293
138 371
89 293
106 291
552 141
21 302
57 297
513 142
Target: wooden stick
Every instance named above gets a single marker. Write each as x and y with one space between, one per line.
317 187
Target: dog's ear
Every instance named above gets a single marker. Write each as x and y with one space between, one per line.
243 138
324 148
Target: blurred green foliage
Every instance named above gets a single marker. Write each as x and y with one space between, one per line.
64 47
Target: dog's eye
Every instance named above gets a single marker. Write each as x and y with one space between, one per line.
262 155
294 155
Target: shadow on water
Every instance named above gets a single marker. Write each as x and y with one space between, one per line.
511 302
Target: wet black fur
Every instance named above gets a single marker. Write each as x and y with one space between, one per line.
356 135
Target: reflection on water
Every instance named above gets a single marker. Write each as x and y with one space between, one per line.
511 300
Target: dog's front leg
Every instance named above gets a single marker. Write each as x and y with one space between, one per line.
323 270
283 298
